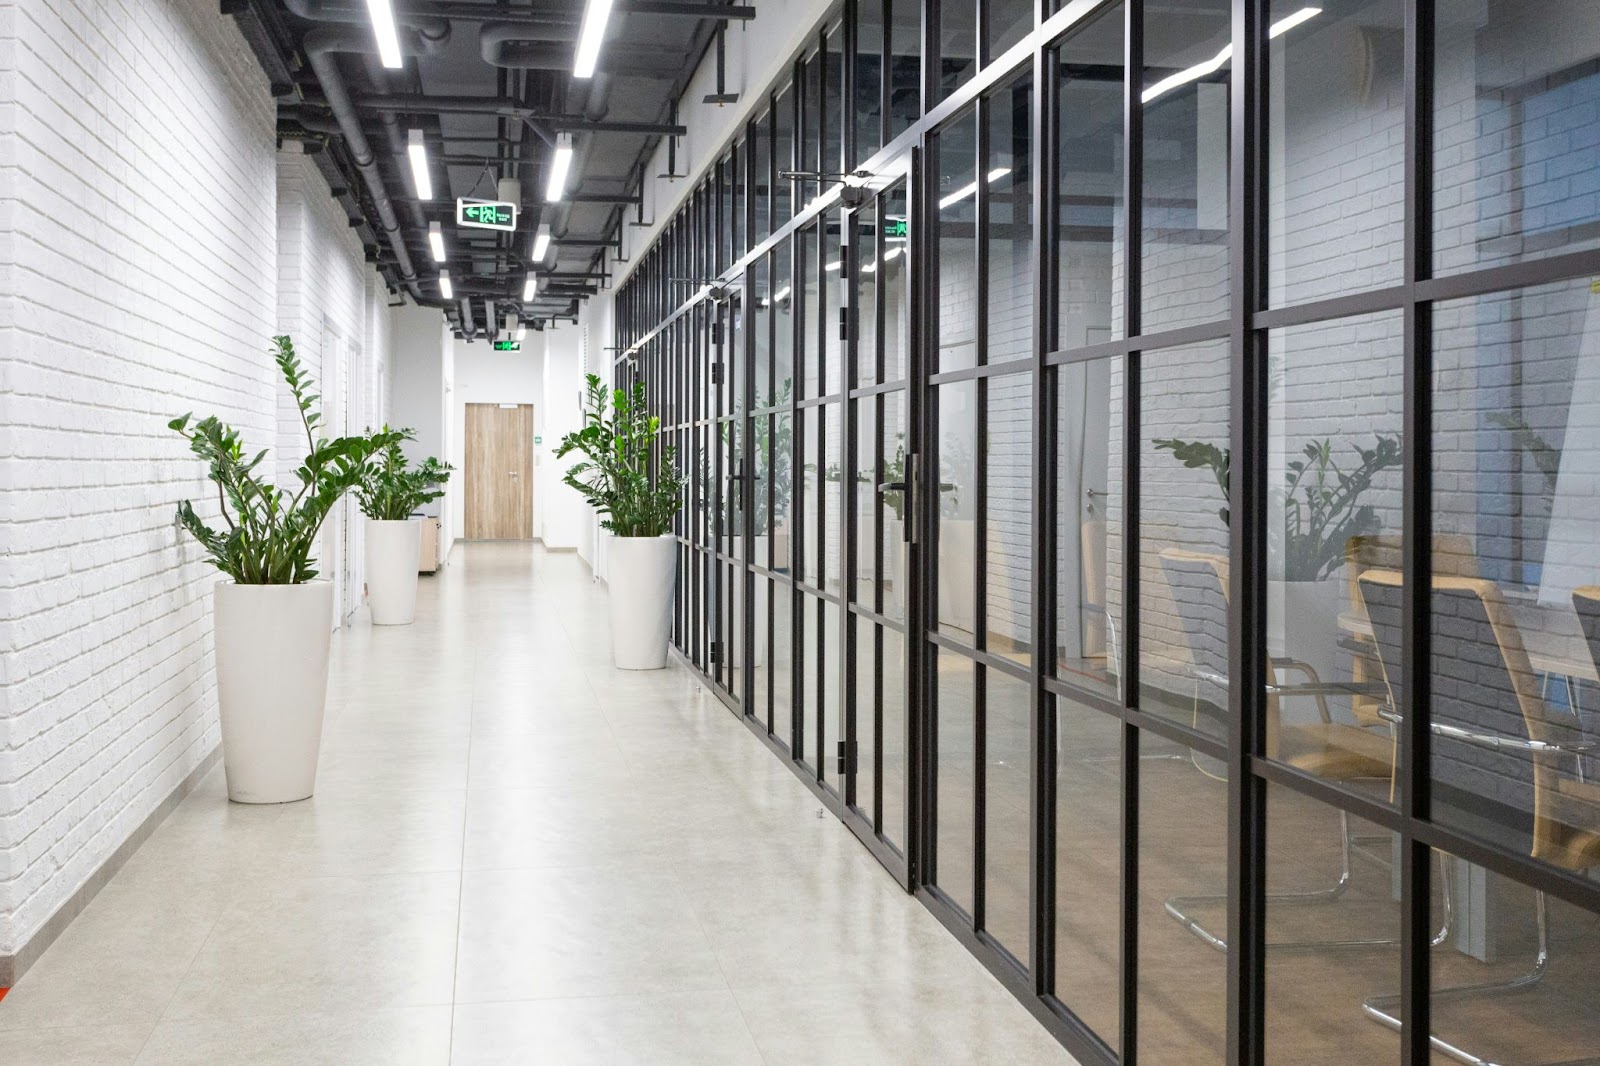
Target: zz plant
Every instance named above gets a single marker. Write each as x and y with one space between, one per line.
636 494
392 489
269 533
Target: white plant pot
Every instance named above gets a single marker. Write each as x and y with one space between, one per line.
272 684
1304 626
640 574
393 552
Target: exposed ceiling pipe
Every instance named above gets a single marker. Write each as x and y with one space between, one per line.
467 325
433 24
529 47
541 12
321 46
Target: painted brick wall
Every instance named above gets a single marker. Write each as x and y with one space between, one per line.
140 277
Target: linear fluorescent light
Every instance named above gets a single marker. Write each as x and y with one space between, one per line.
436 241
892 253
522 332
418 153
1215 63
560 166
382 13
781 295
595 17
445 288
541 243
530 287
831 267
967 190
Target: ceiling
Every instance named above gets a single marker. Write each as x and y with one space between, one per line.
491 88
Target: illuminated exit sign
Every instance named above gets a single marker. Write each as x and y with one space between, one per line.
508 346
895 228
486 214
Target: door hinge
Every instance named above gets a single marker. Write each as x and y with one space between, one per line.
847 758
716 651
716 373
844 323
716 333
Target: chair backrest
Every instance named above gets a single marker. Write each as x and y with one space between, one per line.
1586 601
1452 556
1480 682
1199 584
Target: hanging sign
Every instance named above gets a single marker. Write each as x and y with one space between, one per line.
486 214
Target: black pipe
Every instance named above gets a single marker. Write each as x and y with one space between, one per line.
321 45
541 13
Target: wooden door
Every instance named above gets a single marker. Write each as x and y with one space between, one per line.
499 471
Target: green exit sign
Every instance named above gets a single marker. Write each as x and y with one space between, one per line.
508 346
486 214
895 228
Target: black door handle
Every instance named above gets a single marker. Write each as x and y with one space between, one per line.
892 486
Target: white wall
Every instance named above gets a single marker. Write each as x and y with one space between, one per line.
565 521
139 278
483 375
420 337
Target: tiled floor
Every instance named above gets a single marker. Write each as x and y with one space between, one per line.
516 854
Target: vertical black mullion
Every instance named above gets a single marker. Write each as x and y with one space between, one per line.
1042 726
932 61
885 79
912 678
849 268
746 353
1132 181
1416 562
923 415
1246 548
980 547
847 84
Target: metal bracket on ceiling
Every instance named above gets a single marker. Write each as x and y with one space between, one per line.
672 148
722 95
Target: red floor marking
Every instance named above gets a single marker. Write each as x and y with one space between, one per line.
3 992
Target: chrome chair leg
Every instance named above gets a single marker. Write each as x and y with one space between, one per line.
1384 1009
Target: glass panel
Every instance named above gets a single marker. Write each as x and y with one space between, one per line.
1008 529
893 740
780 468
1088 865
958 45
869 78
1008 174
833 378
1089 513
1005 23
783 154
1184 265
782 390
1007 788
761 675
1334 510
833 109
957 245
735 220
863 480
1336 148
865 223
1330 888
832 688
1183 535
1183 849
1500 927
1516 611
761 178
892 507
811 496
812 679
905 66
783 662
957 529
810 122
1091 246
894 286
760 330
811 311
955 801
1516 140
833 507
865 714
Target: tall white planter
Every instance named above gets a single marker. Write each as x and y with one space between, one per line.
394 550
640 572
272 684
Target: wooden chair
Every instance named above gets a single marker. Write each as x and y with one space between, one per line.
1326 747
1495 739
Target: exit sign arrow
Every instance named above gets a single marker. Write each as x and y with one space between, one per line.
486 214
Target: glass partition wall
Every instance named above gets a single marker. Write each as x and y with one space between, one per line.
1144 476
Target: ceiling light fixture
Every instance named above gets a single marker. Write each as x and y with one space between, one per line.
560 166
530 287
382 13
436 241
522 332
1216 62
541 243
596 15
417 151
445 288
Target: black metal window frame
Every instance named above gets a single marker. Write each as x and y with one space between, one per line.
669 314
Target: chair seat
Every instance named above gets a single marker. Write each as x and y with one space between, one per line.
1335 750
1575 808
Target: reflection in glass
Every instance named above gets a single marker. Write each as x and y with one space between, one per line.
833 293
905 66
783 301
958 45
1009 196
1516 117
780 469
1093 219
783 662
955 803
1005 23
832 688
1008 529
737 178
957 527
833 498
834 114
1088 865
1183 847
1183 534
1184 249
863 485
811 680
1333 510
1007 788
783 154
761 178
760 624
957 245
811 310
760 330
894 285
865 313
1336 147
1516 489
1089 513
869 78
811 496
892 506
865 712
893 740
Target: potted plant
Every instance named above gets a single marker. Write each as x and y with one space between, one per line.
637 493
389 493
273 620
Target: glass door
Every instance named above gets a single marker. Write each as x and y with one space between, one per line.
877 497
726 493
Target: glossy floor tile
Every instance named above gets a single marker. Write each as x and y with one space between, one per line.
516 854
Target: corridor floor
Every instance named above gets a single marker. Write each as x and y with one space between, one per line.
516 854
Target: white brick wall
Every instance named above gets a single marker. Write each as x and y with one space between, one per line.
138 278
